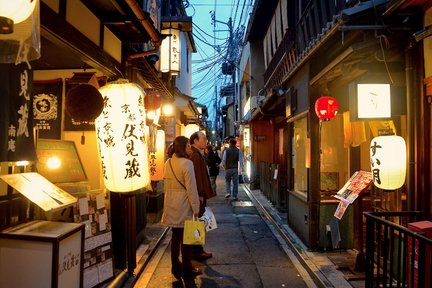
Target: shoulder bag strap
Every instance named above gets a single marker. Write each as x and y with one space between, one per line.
176 176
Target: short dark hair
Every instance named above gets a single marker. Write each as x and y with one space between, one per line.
233 141
193 137
178 147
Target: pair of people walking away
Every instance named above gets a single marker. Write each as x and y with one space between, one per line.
187 188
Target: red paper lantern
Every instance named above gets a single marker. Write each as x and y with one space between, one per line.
152 100
326 107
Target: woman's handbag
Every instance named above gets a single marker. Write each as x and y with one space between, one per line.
194 232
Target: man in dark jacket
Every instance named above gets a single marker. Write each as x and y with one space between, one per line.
231 159
198 140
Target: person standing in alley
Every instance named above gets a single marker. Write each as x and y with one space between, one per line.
198 140
181 202
232 162
213 161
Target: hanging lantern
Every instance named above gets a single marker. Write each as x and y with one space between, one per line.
388 161
326 107
170 52
190 129
157 158
84 102
152 100
19 31
120 130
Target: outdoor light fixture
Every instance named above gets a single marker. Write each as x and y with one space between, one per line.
157 158
167 109
190 129
19 31
14 12
388 161
120 130
326 107
170 51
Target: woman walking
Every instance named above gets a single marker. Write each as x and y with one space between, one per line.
181 202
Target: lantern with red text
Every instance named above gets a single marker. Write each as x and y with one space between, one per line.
326 107
120 130
157 158
388 161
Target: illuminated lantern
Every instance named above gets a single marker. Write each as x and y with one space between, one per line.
170 52
190 129
157 158
120 130
326 107
19 31
17 10
388 161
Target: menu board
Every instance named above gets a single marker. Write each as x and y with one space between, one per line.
92 210
39 190
358 182
70 168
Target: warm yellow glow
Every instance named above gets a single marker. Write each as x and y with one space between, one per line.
22 163
167 110
170 52
157 159
190 129
151 114
17 10
120 131
388 161
53 162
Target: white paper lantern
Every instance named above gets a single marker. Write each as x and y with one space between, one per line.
388 161
157 158
20 40
17 10
120 131
170 52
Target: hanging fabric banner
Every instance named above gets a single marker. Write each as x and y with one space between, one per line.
16 115
47 107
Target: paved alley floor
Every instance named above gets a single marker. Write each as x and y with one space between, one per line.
246 253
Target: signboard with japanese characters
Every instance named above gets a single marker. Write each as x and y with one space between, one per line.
39 190
47 107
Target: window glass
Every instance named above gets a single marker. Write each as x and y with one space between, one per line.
300 155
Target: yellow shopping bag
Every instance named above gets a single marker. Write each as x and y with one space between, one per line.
194 232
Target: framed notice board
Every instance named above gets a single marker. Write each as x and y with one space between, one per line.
64 156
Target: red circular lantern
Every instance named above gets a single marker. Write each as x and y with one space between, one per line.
152 100
326 107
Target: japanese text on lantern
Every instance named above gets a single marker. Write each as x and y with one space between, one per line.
375 162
